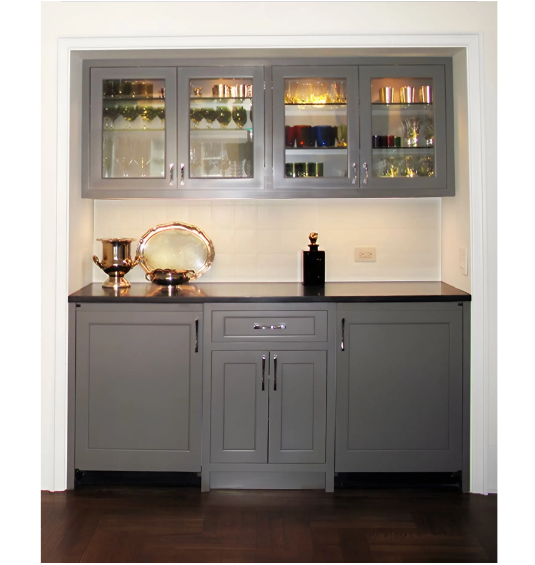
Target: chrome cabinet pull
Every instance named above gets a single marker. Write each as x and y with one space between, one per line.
196 336
259 327
263 370
182 174
342 346
355 174
365 167
171 173
274 372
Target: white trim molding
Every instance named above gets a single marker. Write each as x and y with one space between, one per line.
479 220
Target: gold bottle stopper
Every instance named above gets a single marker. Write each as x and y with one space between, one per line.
313 237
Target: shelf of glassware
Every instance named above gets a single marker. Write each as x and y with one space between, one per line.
418 108
316 151
221 133
335 109
394 151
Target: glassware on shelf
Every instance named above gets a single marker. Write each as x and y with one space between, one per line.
195 117
337 93
290 94
209 114
223 116
341 139
408 94
429 133
425 167
123 154
142 152
195 156
225 162
239 116
411 131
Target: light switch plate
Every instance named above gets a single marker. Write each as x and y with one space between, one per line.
463 260
365 254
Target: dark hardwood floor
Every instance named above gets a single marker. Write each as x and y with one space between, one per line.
145 524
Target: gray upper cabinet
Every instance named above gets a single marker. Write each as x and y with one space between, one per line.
221 129
268 128
315 128
406 137
138 390
399 388
131 147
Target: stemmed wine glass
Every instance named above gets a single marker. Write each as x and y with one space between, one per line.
225 161
143 153
209 114
239 116
223 116
123 154
195 116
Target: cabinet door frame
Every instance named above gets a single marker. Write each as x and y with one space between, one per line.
93 185
122 459
312 187
228 187
218 453
278 418
449 460
443 183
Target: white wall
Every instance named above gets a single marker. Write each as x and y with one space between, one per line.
168 22
262 240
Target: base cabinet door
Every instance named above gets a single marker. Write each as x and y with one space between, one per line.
239 407
138 391
399 389
297 406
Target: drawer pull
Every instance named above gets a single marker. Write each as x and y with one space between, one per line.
274 372
342 346
279 327
196 336
263 370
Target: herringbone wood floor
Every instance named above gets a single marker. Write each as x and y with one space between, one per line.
140 524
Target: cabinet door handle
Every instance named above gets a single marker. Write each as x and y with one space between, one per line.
365 167
196 336
263 370
342 346
171 173
182 174
259 327
355 174
274 372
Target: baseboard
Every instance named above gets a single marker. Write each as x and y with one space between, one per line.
268 480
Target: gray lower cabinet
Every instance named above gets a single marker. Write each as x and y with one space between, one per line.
138 389
400 388
286 403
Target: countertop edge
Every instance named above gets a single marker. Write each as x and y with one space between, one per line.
456 296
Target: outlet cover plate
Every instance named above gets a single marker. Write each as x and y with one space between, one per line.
365 255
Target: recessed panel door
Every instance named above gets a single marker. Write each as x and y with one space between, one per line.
297 406
239 407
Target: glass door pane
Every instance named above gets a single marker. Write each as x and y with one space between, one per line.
133 128
221 130
315 127
403 127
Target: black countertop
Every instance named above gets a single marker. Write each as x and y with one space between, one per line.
274 292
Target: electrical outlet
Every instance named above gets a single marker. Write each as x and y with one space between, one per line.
365 254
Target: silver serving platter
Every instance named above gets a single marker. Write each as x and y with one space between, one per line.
176 246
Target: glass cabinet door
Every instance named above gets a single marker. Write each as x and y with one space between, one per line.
403 130
133 130
221 128
315 140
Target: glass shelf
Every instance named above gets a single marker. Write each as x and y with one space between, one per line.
134 130
230 98
132 98
393 150
316 104
315 150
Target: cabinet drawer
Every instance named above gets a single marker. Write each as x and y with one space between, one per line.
265 325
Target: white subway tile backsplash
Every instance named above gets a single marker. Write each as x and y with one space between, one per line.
263 240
